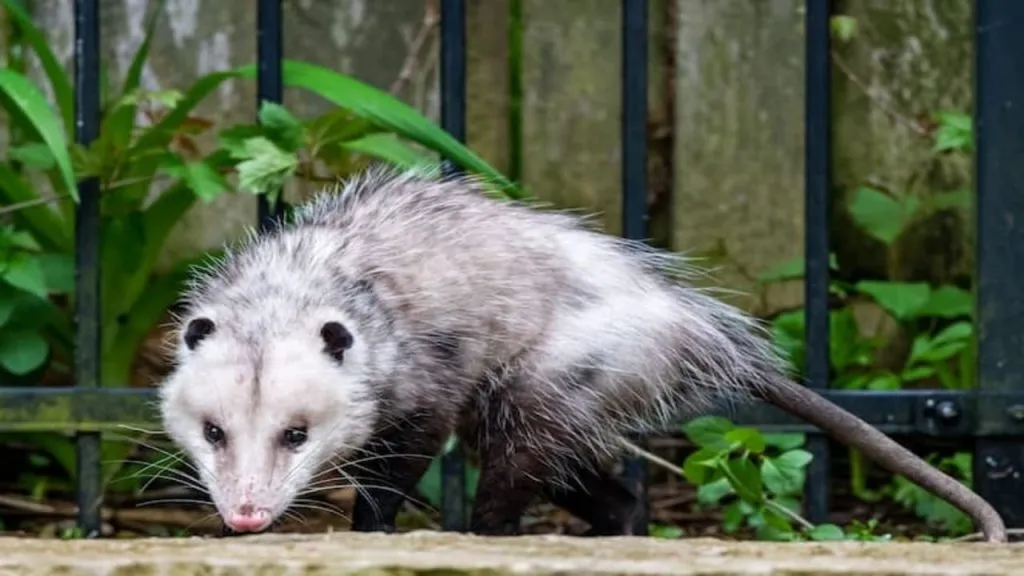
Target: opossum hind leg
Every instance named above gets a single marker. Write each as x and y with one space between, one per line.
597 497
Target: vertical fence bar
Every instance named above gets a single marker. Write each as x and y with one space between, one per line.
999 121
453 120
269 85
634 180
87 260
818 177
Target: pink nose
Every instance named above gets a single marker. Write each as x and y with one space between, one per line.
248 519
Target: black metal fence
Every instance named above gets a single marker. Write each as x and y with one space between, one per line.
992 417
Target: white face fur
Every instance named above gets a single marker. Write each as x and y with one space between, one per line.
259 423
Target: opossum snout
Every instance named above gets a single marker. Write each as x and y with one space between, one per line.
248 518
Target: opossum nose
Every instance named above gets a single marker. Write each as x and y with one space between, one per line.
248 519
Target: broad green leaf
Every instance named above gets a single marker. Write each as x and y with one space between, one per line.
387 111
25 100
698 466
749 438
232 140
825 532
745 478
59 271
8 302
23 351
708 431
712 492
955 132
901 299
732 517
794 459
281 127
782 476
948 302
199 176
267 168
389 148
55 73
24 271
878 214
785 440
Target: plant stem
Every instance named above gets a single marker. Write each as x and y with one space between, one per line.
654 458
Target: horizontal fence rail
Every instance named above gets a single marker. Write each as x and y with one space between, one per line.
991 416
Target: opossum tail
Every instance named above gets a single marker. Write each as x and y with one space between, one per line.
851 430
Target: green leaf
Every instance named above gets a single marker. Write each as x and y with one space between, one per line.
44 224
785 474
878 214
389 148
792 270
884 381
956 132
25 100
119 122
23 271
749 438
698 466
917 373
59 271
961 331
385 110
785 440
281 127
843 27
23 351
708 431
826 532
712 492
901 299
55 73
200 177
745 478
732 517
948 302
267 168
35 156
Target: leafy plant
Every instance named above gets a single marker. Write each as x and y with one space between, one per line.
757 477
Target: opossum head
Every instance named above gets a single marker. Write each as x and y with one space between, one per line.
260 412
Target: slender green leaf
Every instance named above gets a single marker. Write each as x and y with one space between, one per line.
35 156
385 110
745 478
25 100
120 121
389 148
948 302
55 73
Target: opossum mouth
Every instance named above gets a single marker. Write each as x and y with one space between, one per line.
227 532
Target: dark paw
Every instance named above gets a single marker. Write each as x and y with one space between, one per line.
385 527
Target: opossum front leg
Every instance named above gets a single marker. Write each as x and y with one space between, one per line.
401 455
508 485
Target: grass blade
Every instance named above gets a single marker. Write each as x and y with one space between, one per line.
26 103
62 89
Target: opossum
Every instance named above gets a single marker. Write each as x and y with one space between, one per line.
403 306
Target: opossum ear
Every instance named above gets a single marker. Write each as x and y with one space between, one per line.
197 330
337 339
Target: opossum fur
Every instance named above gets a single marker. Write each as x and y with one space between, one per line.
404 306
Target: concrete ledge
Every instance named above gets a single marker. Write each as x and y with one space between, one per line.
437 554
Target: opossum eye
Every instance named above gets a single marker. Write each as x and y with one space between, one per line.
336 339
295 437
197 329
214 435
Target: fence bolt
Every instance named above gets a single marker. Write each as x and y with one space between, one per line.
1016 412
946 410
